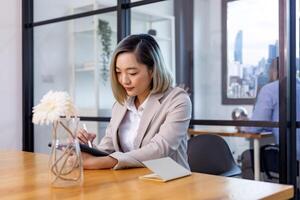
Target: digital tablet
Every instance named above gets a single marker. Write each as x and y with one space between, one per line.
93 151
85 148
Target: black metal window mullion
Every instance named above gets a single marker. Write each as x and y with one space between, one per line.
123 18
201 122
75 16
268 124
184 45
27 75
292 178
282 93
142 3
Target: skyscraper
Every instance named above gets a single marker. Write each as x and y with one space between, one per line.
272 52
238 47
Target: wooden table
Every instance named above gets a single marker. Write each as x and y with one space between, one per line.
25 176
256 137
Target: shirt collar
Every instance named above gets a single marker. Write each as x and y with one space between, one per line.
130 104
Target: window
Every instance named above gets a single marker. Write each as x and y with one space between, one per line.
252 44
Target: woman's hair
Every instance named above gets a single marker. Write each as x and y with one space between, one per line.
147 52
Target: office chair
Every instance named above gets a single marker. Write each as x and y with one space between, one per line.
269 163
210 154
269 159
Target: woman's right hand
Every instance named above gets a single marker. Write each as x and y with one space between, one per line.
84 136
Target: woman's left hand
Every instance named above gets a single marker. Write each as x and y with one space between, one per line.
92 162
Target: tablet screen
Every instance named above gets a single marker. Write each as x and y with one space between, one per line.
93 151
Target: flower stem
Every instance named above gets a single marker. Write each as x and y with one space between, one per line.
67 129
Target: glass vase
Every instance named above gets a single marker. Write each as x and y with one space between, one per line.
65 164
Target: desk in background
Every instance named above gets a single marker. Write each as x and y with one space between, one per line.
25 176
256 137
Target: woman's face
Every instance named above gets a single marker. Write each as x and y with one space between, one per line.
133 76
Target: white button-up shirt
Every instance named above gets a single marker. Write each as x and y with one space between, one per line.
130 124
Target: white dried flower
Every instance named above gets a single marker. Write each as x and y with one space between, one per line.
52 106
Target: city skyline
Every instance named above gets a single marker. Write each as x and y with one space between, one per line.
259 22
244 80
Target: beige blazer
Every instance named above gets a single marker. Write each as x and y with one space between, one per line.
162 131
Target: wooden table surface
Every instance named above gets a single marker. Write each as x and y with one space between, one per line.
231 134
25 176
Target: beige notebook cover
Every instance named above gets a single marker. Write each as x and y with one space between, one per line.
165 169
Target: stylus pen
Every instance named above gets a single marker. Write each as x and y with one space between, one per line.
85 128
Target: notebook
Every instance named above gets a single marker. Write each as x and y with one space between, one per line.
165 169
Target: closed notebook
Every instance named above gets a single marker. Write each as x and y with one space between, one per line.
165 169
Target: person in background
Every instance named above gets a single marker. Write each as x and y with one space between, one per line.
266 107
150 117
274 70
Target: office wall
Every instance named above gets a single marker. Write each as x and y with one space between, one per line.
10 75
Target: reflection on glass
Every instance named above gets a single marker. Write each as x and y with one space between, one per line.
45 9
160 24
249 55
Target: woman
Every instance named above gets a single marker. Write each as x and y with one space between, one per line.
150 118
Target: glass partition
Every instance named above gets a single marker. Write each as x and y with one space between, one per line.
72 56
45 9
160 24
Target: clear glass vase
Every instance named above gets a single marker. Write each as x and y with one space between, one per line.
65 164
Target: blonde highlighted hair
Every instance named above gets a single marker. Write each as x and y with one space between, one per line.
147 52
